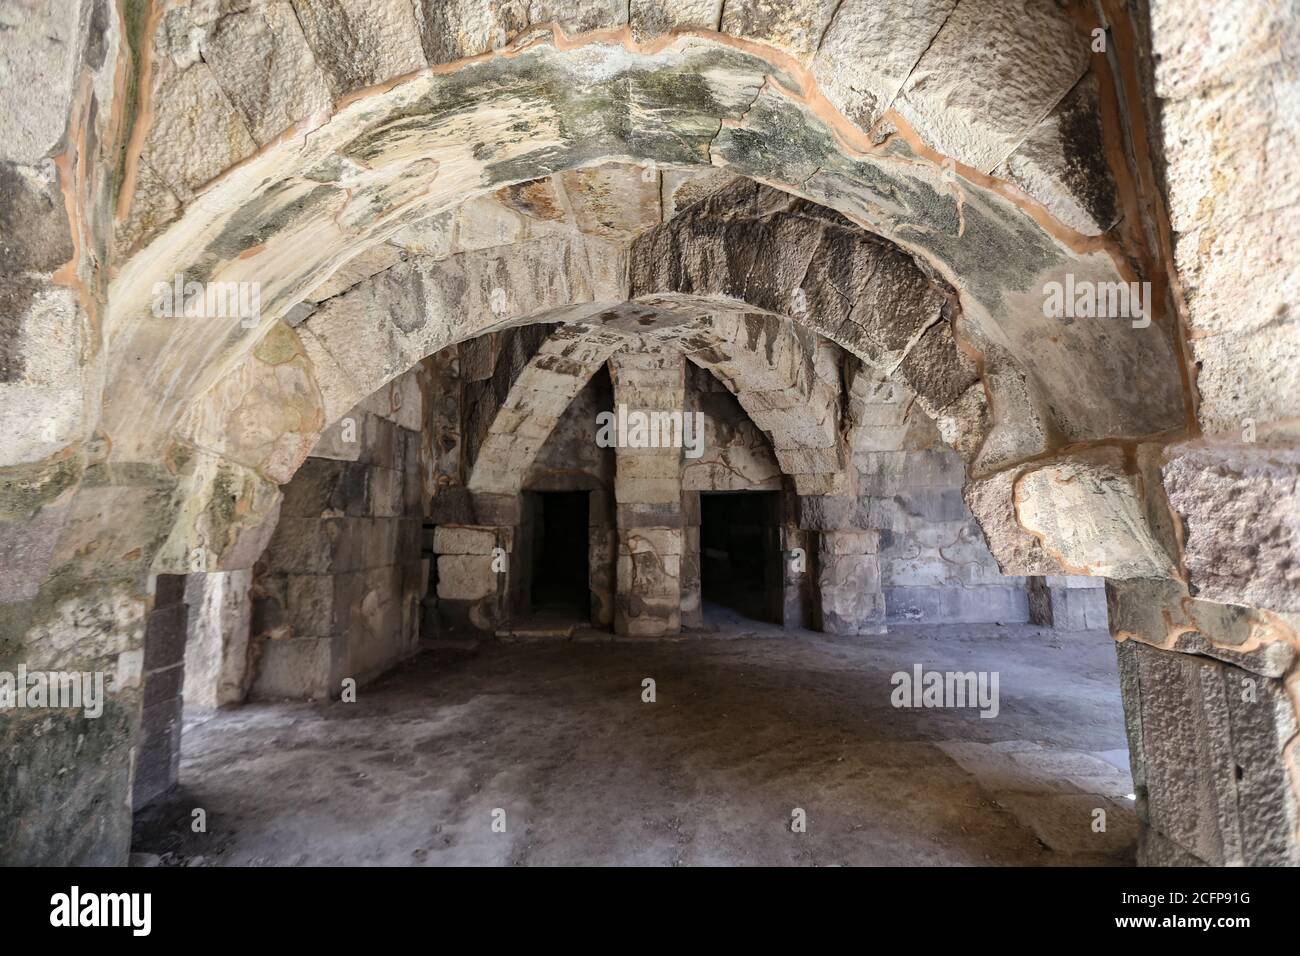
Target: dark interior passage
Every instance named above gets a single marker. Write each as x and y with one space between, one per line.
559 552
739 553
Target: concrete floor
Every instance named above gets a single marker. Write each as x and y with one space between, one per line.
749 723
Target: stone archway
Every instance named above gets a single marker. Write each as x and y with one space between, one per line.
172 147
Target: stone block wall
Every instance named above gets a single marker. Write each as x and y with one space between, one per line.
935 564
338 590
1068 603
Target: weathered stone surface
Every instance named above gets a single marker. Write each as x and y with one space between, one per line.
196 134
42 51
848 578
262 61
994 69
1068 603
648 601
466 577
266 414
297 668
226 516
1206 741
44 385
992 502
216 646
796 28
652 18
1062 163
452 29
1091 516
374 260
870 49
1163 614
613 201
1222 77
1239 506
360 44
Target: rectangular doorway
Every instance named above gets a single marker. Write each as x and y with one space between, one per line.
740 554
560 578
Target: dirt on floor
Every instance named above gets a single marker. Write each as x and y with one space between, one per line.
546 753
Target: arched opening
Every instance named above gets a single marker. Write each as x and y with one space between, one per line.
753 197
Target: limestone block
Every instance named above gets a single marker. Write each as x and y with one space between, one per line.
1091 515
338 442
1162 613
462 539
26 549
297 668
994 70
1239 507
870 49
216 646
262 61
266 413
43 382
196 133
1062 163
681 188
988 604
851 599
796 28
359 44
42 51
616 201
652 18
360 267
1206 742
992 503
453 29
466 577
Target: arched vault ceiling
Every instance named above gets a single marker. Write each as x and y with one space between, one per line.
290 213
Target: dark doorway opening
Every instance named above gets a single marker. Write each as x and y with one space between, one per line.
560 579
739 553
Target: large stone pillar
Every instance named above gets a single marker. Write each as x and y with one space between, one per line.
847 587
1209 722
647 489
848 582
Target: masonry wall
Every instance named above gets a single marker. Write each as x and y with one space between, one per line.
337 592
935 565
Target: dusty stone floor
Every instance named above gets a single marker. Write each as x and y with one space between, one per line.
749 723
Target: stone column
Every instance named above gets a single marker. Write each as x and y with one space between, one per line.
647 488
1209 724
848 582
847 587
216 650
475 570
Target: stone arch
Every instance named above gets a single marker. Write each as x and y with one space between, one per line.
395 151
246 167
786 386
